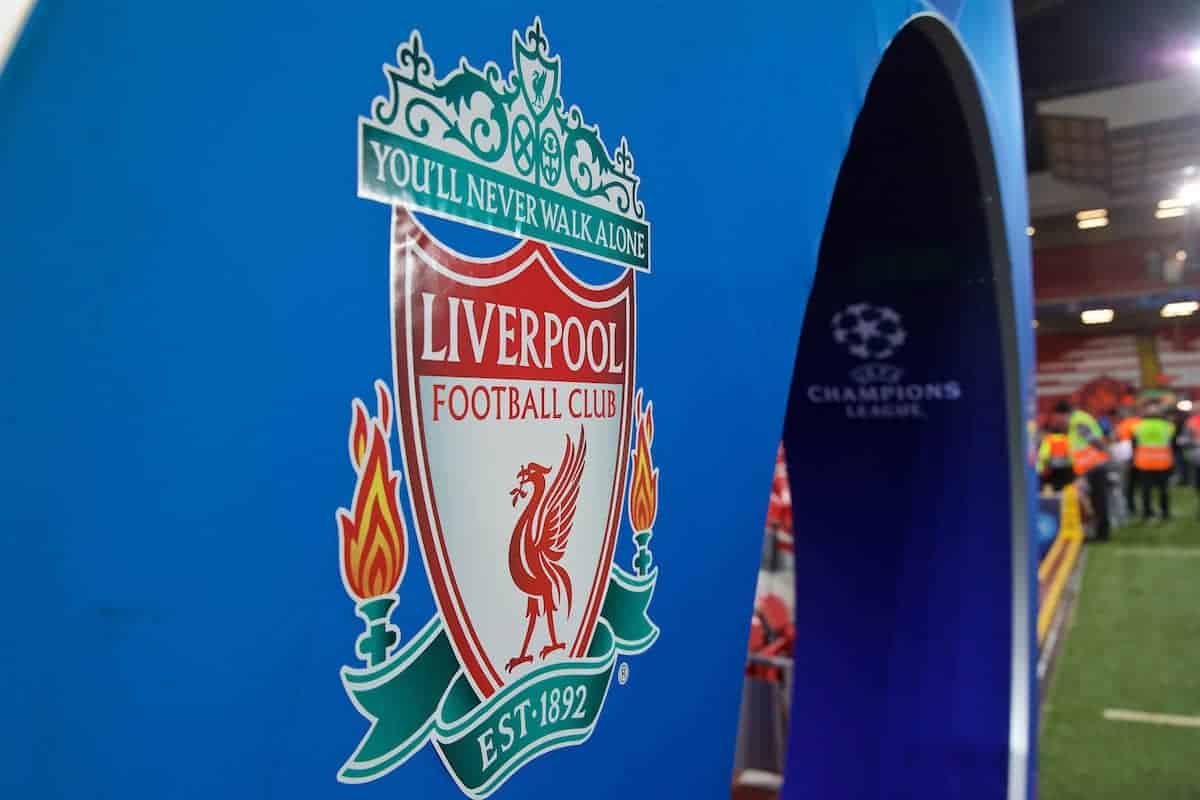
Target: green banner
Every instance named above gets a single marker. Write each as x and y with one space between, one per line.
421 693
396 169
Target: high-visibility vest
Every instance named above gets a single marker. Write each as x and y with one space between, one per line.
1084 457
1055 452
1153 451
1126 428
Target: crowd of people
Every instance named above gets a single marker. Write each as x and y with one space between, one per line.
1123 462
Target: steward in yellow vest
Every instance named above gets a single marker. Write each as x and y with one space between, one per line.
1152 451
1089 456
1152 456
1054 461
1086 440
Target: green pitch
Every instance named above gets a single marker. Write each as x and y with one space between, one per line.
1134 644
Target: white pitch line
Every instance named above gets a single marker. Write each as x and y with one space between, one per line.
1173 720
1172 552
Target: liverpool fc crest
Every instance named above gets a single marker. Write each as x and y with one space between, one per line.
525 450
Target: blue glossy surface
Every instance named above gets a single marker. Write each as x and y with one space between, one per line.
192 293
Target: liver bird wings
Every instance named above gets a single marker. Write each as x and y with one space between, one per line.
558 510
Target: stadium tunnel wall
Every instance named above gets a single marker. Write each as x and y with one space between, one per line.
906 444
194 293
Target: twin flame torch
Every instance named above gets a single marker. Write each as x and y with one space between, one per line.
643 488
373 537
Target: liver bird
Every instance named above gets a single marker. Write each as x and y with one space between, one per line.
539 87
539 541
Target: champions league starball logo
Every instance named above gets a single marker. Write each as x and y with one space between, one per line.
869 332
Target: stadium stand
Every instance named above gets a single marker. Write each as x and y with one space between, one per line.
1128 268
1179 354
1067 362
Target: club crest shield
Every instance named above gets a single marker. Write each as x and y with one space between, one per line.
514 384
513 419
536 72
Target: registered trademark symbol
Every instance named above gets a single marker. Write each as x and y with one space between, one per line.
623 673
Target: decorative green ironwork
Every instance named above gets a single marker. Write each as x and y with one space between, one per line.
497 129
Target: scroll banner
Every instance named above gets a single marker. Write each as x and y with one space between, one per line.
421 693
456 188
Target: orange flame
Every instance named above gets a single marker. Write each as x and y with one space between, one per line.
373 535
385 406
359 429
643 488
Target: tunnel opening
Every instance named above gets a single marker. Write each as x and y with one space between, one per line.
903 440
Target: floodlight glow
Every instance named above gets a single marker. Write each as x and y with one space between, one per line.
1094 222
1170 213
1030 230
1184 405
1091 213
1184 308
1097 316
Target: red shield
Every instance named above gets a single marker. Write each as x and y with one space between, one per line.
514 390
